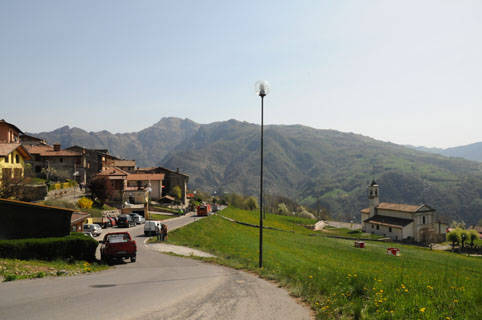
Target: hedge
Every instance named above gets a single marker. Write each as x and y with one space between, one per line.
73 247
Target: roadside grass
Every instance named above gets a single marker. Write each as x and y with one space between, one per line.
164 209
160 217
286 223
14 269
339 281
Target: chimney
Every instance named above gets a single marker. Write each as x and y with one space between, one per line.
57 147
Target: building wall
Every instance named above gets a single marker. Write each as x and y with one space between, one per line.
393 233
12 164
8 134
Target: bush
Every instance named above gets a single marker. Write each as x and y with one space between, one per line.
75 246
85 203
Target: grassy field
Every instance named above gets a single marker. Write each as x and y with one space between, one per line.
13 269
345 232
160 217
339 281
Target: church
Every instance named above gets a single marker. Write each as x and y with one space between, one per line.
401 221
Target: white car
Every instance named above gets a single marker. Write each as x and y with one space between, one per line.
93 229
150 227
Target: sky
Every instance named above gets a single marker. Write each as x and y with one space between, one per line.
408 72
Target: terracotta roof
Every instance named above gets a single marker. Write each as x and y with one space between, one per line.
159 170
78 217
46 150
124 163
112 171
400 207
26 137
389 221
7 148
145 176
10 125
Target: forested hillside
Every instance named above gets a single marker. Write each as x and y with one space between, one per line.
320 168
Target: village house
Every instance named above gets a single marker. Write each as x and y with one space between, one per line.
67 164
401 221
12 154
127 186
171 180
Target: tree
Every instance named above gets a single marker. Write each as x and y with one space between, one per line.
251 203
454 237
283 209
12 187
473 235
101 189
177 193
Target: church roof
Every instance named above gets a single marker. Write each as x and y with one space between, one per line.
389 221
401 207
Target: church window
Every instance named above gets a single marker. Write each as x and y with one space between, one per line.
423 220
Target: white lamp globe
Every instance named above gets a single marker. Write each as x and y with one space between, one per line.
262 88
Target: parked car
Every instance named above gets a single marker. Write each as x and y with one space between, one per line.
113 222
104 222
137 218
150 227
125 220
94 229
118 245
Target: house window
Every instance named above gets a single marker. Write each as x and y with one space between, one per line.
61 160
17 159
7 158
373 226
389 229
423 220
378 227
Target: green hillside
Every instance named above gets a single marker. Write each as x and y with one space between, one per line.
319 168
326 168
339 281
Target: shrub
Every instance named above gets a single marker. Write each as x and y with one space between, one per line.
75 246
85 203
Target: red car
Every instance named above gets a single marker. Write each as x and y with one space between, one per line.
118 245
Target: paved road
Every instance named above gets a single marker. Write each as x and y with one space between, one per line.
157 286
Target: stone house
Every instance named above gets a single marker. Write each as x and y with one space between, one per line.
401 221
171 180
68 164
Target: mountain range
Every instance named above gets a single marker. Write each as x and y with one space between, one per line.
318 168
470 152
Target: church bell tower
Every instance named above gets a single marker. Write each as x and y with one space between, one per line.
373 199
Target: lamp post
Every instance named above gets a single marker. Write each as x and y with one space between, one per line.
262 89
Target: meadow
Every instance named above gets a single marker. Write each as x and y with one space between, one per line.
337 280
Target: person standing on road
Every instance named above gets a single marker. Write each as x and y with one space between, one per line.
158 232
163 232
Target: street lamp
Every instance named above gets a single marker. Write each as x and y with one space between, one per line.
262 89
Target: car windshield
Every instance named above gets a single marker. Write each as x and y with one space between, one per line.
117 238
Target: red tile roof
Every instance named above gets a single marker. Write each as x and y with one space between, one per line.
400 207
145 176
112 171
7 148
46 150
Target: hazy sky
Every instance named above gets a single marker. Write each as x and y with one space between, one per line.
409 72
